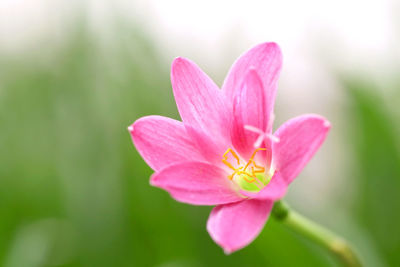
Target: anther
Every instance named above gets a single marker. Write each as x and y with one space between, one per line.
248 176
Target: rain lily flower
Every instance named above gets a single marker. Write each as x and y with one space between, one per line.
224 152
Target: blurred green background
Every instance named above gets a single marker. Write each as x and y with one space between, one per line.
74 191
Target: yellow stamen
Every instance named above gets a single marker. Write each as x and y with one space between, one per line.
252 156
225 161
225 158
249 177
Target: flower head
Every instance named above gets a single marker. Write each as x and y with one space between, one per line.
224 153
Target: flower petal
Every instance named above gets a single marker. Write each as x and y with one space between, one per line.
274 190
248 110
234 226
211 148
200 102
266 58
196 183
300 138
163 141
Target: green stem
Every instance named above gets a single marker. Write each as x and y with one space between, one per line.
315 232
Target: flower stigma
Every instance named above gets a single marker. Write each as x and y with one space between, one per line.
249 176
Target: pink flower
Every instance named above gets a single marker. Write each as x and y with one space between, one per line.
224 152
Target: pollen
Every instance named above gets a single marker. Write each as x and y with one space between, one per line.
248 171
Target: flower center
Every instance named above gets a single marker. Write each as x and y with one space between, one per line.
249 176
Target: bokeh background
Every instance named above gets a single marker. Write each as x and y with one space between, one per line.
75 74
